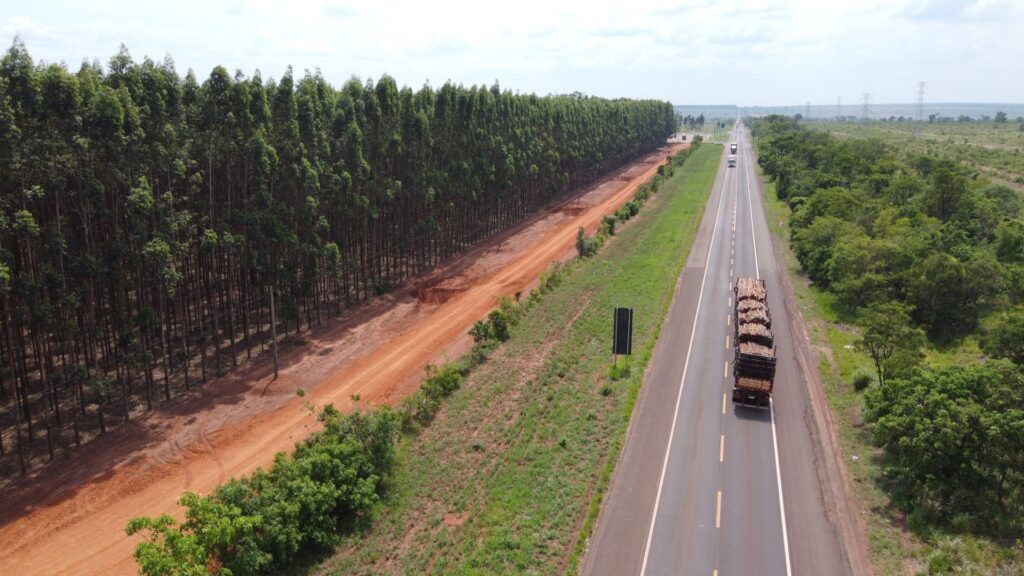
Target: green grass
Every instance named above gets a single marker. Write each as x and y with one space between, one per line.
895 550
992 151
509 476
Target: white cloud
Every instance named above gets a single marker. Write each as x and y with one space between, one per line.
747 52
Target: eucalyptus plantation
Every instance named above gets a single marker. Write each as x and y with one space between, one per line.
146 217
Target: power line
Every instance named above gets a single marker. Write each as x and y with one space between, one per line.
920 100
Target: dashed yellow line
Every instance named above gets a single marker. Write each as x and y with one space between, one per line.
721 449
725 370
726 341
723 402
728 319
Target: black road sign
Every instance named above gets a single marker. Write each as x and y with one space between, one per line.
622 342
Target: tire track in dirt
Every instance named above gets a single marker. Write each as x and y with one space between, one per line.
80 529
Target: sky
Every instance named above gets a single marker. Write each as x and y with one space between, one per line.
749 52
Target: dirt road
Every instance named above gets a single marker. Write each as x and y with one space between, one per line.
70 517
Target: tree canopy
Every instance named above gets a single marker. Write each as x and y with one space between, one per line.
145 216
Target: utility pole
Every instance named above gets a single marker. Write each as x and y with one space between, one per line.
839 107
920 100
866 110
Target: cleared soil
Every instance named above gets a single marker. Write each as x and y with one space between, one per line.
69 518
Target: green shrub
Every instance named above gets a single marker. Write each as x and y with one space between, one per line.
586 246
261 522
499 325
608 224
481 332
862 379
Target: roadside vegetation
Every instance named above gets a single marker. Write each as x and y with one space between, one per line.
506 474
913 295
992 148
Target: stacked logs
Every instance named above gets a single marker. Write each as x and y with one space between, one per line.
754 365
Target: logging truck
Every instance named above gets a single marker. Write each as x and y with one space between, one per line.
754 362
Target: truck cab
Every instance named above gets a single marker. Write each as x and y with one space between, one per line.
732 160
732 148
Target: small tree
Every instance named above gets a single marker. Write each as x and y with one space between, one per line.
608 224
893 344
1006 339
585 246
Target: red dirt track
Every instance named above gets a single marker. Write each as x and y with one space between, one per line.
69 518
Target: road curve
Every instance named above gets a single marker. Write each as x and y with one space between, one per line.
703 487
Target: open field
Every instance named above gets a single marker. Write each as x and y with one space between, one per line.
995 151
895 550
513 468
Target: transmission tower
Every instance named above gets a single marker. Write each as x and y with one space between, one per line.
920 100
807 116
866 110
839 107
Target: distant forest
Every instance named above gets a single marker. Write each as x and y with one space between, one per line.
147 218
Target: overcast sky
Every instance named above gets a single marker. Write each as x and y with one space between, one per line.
750 52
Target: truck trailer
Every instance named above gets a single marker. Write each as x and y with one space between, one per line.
753 365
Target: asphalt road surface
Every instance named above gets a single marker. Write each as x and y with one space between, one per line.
704 487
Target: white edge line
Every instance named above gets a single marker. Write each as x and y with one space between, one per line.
778 480
750 209
771 402
682 381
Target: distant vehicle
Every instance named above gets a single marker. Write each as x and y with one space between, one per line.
754 364
732 160
732 147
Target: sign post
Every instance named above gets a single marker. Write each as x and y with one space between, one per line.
622 337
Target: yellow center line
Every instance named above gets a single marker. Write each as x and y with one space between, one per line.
728 319
730 301
718 511
721 449
726 341
723 402
725 370
714 573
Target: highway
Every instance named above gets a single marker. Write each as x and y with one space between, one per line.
703 487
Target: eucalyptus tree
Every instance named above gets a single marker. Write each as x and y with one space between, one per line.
148 217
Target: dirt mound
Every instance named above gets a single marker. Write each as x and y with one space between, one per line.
438 292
